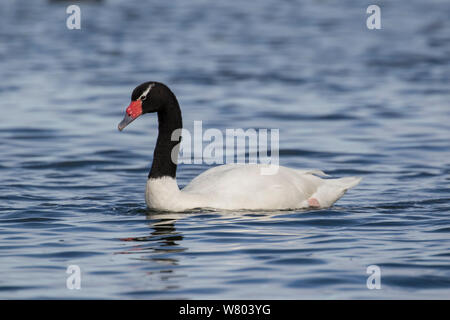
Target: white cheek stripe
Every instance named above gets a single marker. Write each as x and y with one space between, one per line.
144 94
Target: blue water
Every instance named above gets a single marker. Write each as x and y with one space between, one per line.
347 100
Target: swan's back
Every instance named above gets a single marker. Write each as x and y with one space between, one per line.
243 186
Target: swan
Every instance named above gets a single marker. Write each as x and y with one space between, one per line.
229 186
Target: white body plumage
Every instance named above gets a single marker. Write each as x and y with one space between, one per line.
242 186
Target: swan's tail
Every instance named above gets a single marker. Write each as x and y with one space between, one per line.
333 189
346 183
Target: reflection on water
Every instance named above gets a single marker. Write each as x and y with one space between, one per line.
163 239
159 248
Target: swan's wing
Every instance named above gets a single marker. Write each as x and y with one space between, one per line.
211 178
239 185
243 186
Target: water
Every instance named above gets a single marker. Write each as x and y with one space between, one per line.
347 100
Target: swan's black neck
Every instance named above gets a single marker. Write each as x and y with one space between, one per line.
169 119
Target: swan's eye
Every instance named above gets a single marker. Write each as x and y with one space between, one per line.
143 98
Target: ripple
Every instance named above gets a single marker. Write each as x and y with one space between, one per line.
417 282
63 255
66 164
297 261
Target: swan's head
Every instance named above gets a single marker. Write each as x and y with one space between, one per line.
146 98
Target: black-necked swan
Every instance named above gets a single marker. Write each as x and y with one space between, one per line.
229 186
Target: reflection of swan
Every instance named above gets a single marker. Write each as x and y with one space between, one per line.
230 186
158 253
163 239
